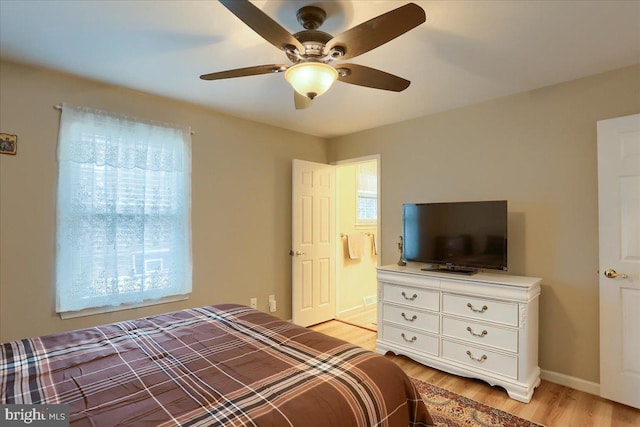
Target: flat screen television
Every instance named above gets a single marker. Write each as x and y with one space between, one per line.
459 237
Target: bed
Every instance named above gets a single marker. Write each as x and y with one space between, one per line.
222 365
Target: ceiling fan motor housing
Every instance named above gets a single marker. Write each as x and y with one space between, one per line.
314 42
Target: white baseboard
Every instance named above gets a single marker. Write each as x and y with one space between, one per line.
572 382
347 310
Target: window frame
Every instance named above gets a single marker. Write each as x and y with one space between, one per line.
366 194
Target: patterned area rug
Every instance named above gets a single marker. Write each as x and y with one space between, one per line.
449 409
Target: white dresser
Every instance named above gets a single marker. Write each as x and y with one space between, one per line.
480 326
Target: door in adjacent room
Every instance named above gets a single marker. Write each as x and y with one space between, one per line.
313 243
357 249
619 266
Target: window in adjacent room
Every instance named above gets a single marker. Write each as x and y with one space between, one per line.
367 193
123 213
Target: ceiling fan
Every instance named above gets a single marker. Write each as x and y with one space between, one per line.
311 51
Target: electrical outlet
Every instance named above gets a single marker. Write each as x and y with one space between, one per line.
254 303
272 303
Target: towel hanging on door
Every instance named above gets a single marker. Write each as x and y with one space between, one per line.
374 244
355 242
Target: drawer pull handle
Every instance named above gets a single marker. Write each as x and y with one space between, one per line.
482 310
409 298
414 317
413 339
481 334
477 359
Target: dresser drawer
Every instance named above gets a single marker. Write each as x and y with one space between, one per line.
407 316
481 333
481 358
416 297
416 341
481 309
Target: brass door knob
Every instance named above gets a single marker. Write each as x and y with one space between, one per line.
610 273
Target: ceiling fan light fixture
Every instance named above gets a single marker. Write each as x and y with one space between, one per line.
311 79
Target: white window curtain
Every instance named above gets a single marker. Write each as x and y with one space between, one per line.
124 210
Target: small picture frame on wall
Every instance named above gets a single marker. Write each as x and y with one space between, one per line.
8 143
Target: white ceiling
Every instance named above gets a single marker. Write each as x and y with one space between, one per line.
466 52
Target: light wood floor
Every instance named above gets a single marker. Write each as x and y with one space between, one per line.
552 404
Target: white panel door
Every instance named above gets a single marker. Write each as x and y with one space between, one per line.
313 245
619 219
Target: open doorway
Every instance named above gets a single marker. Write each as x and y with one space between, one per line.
357 225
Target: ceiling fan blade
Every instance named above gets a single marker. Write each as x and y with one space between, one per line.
262 24
301 102
377 31
242 72
370 77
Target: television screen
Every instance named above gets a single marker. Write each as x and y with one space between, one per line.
461 236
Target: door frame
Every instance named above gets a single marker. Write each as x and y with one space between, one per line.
338 240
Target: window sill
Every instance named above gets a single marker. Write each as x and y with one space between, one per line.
367 225
108 309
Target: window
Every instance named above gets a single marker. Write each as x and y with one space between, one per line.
367 193
123 214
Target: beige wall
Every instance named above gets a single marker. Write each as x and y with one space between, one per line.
355 278
537 150
241 200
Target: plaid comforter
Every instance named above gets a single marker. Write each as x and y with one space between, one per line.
224 365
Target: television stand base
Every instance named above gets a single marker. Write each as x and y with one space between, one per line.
454 270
